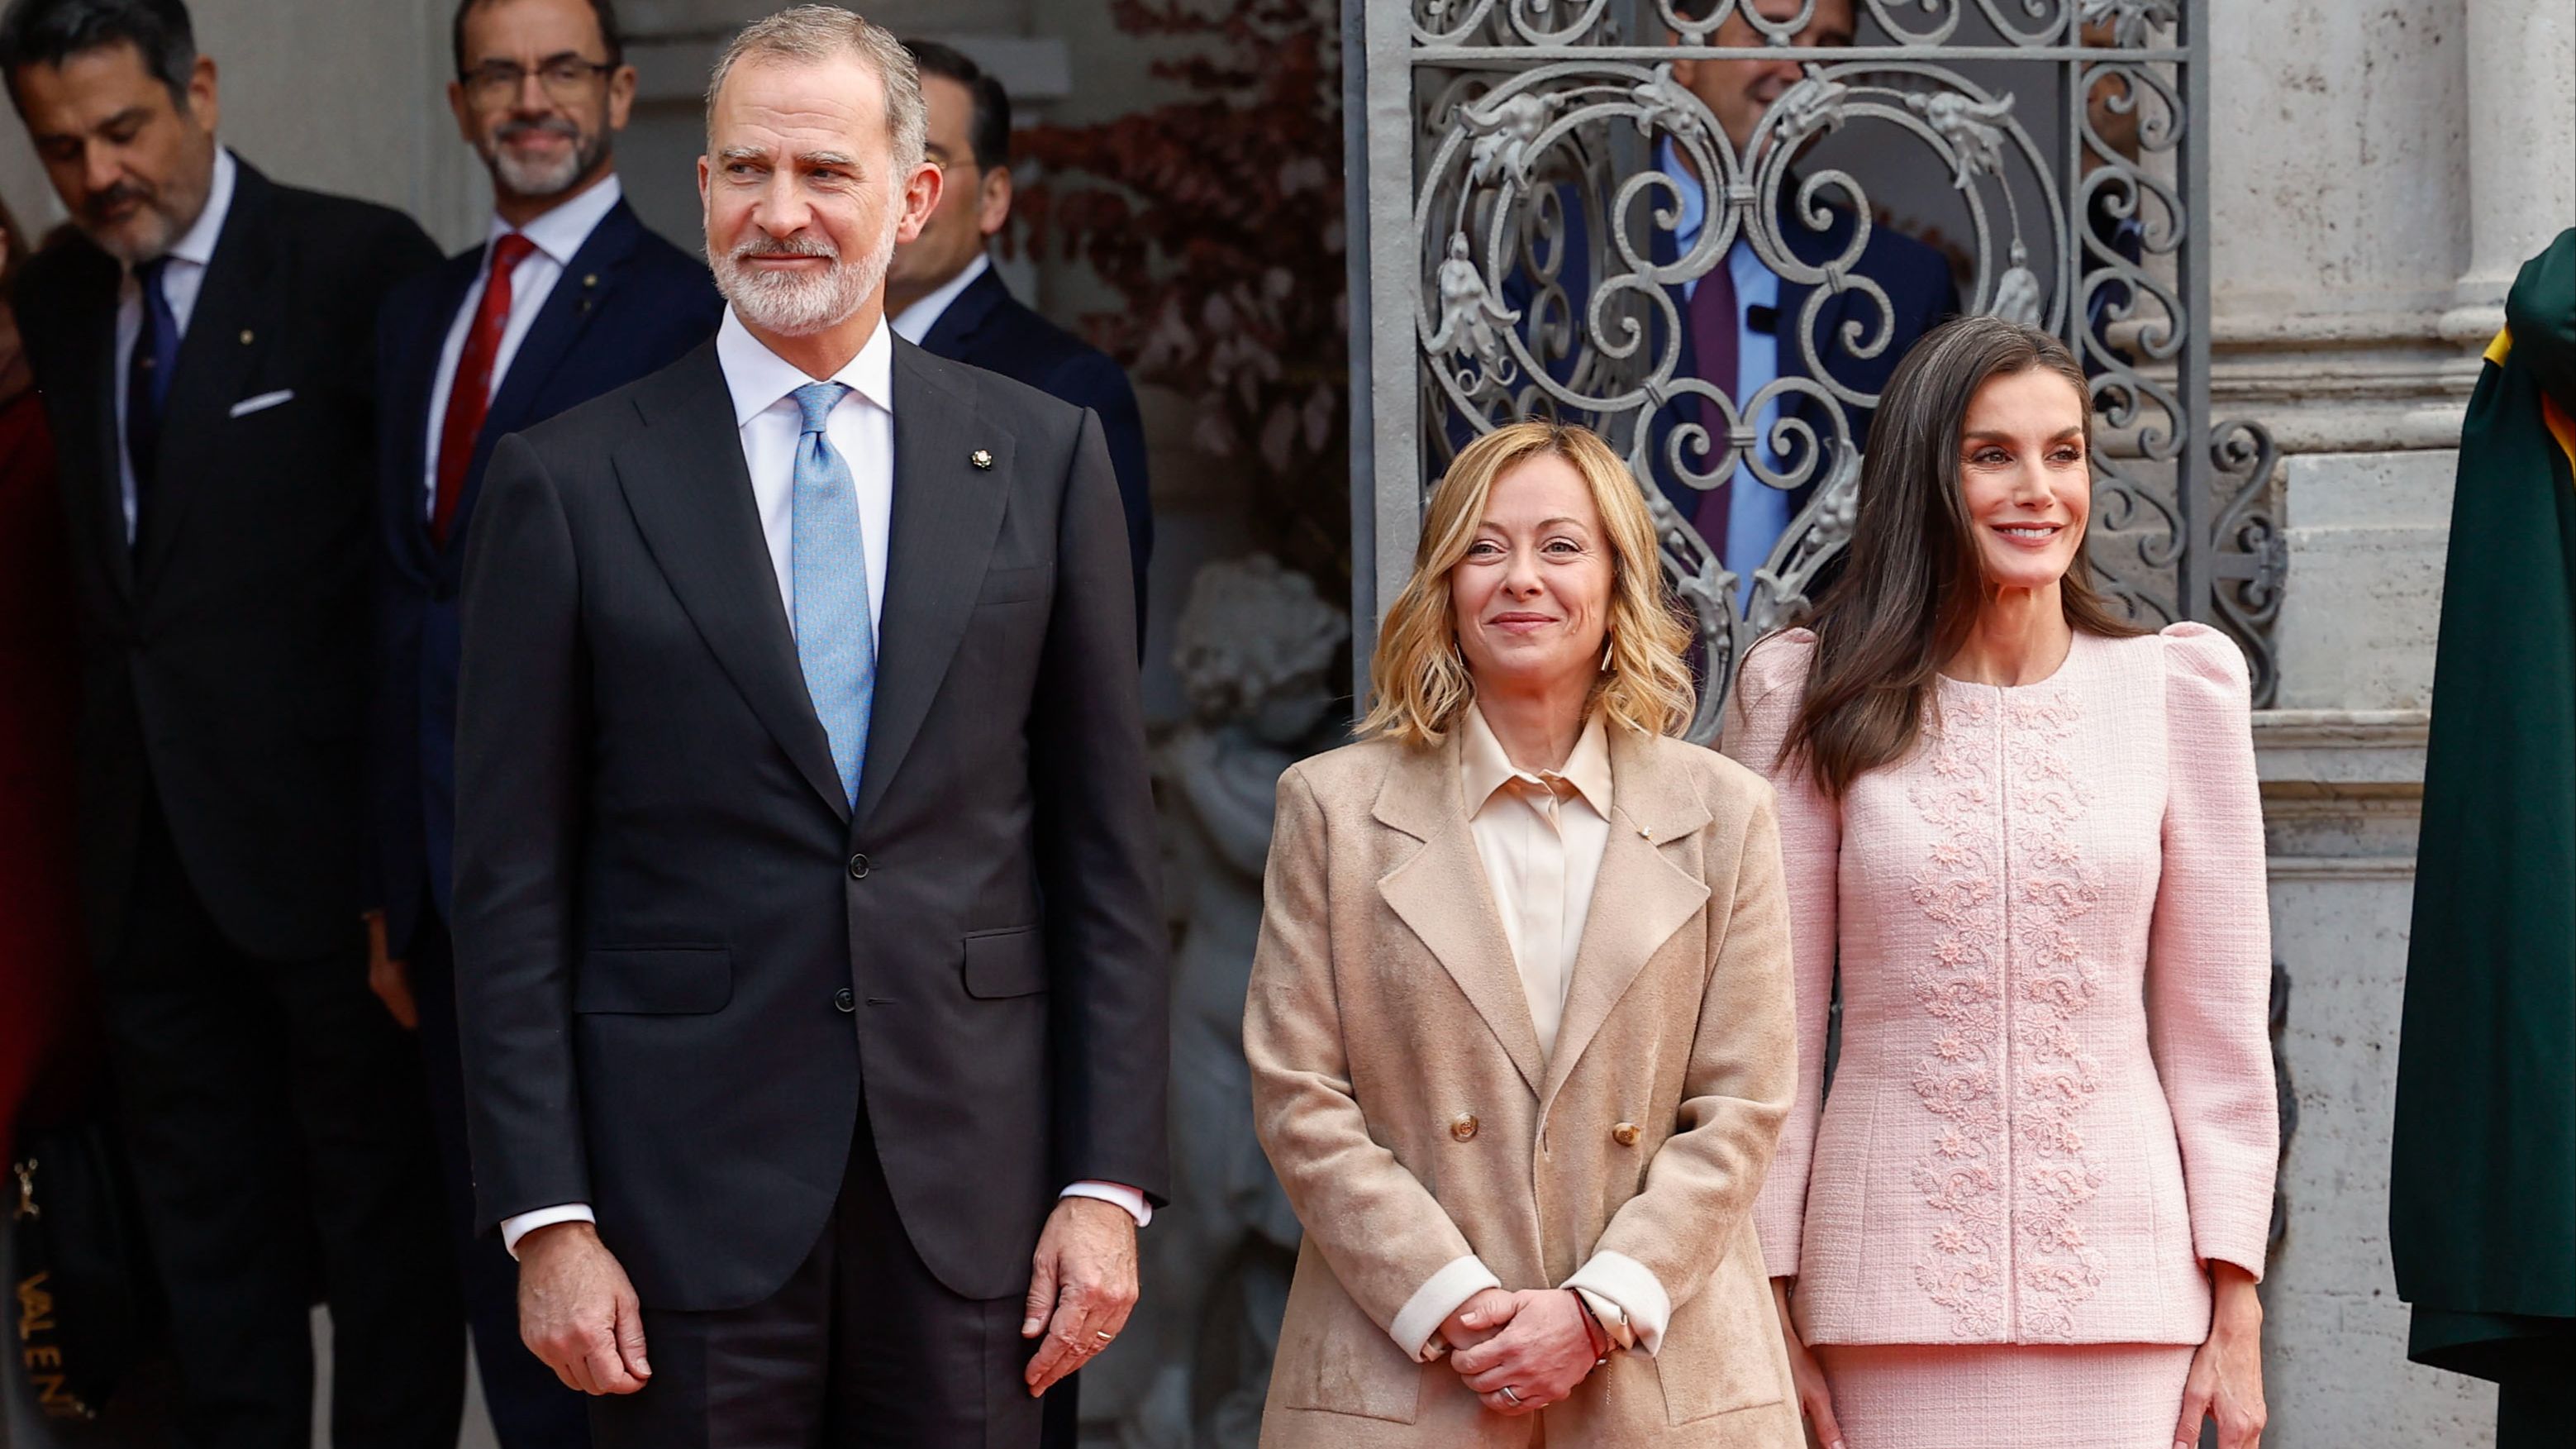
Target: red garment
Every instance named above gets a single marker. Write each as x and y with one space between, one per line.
40 975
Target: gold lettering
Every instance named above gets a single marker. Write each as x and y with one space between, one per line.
43 1355
35 1306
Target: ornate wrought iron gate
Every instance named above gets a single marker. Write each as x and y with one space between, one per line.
1509 181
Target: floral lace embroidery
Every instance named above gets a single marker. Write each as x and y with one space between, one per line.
1960 888
1969 775
2052 981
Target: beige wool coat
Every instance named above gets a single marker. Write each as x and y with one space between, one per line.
1399 1089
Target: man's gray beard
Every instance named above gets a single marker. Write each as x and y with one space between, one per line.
542 180
793 306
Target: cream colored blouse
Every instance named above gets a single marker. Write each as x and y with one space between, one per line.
1541 835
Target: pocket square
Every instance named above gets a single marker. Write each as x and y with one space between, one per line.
263 402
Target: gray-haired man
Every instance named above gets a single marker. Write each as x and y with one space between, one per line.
809 969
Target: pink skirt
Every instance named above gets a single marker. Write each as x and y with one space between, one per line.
2006 1396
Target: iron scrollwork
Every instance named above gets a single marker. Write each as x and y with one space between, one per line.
1555 157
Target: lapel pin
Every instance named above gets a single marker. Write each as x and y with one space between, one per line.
590 279
981 458
246 337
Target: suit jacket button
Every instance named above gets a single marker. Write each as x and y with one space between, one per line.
1625 1134
858 867
1463 1126
845 999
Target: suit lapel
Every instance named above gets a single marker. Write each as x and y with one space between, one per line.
232 324
954 333
1641 899
947 512
685 482
407 406
93 453
578 294
1442 894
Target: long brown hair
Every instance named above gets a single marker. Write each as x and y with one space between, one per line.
1912 584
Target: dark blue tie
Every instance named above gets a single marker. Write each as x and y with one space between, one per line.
147 382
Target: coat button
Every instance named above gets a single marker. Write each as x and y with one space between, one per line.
1625 1134
846 999
1463 1126
858 867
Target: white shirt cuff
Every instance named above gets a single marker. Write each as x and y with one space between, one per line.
1633 1286
1119 1193
515 1228
1431 1304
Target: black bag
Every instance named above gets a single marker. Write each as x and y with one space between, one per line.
87 1310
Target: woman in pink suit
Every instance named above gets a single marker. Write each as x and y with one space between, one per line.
2032 1209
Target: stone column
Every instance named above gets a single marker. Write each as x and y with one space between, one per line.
2522 150
2380 174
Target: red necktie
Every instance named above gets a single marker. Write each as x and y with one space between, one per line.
470 396
1715 328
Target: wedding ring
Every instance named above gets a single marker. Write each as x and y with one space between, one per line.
1511 1395
1104 1337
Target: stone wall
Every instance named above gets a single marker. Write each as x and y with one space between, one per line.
2402 159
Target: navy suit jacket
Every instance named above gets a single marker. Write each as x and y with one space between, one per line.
985 326
1916 279
629 305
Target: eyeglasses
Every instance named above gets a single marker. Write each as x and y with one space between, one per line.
565 78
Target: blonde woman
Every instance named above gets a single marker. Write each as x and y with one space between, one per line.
1520 1023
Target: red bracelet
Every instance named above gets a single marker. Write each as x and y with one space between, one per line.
1593 1333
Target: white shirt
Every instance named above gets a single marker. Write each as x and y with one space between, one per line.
913 323
1756 515
559 236
180 282
861 429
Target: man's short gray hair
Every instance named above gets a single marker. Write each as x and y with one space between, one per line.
815 33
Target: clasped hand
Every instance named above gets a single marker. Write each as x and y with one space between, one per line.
1534 1343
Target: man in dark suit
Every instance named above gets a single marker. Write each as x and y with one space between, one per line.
809 965
568 297
203 348
945 296
1743 325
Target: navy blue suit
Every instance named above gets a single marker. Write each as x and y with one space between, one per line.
1916 279
985 326
628 305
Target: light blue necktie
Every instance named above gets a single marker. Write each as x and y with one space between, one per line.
835 639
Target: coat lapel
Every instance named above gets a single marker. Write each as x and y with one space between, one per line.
233 323
583 288
92 451
407 404
1641 899
684 479
967 312
1440 891
947 513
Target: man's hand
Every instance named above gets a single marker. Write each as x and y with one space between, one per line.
388 978
1536 1360
1082 1287
577 1311
1479 1318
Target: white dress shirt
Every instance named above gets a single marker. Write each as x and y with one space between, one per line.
1756 515
558 236
1541 835
861 429
180 282
913 323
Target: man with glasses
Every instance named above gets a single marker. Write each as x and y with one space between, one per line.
203 349
946 298
569 297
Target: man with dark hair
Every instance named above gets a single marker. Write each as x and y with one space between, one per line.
945 296
568 297
203 349
1743 324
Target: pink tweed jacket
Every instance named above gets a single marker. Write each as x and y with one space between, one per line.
2054 1103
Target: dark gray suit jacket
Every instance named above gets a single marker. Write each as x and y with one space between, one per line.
684 964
